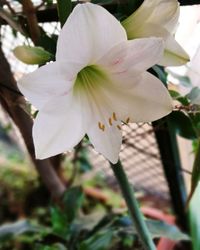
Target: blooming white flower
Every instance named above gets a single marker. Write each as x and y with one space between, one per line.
97 81
158 18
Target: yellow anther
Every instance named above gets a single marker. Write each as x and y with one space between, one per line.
101 126
110 121
114 116
128 120
119 127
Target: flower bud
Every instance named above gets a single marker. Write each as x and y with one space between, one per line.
32 55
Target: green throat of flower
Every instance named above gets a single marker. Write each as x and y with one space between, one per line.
91 82
90 78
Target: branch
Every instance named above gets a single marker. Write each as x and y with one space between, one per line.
13 104
30 12
6 16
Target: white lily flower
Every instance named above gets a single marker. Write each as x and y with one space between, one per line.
98 80
158 18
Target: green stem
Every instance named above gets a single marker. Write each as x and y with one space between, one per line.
133 207
195 172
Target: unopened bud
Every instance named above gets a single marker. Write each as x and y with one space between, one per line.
32 55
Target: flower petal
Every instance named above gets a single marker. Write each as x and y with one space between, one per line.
47 82
174 54
147 30
96 112
137 54
58 127
164 13
89 32
146 101
107 142
139 17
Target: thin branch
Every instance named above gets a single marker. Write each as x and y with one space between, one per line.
2 85
12 11
30 12
5 15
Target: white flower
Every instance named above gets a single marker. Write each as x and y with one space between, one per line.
158 18
97 81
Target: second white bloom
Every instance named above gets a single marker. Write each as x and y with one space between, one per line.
158 18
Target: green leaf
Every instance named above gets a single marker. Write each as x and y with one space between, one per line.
157 229
194 216
182 124
177 96
183 80
59 222
161 229
194 95
47 42
64 8
72 199
162 75
11 230
99 241
195 118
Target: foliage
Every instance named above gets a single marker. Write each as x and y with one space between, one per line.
78 231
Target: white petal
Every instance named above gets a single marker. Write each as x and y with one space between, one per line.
139 17
89 32
174 54
96 110
107 142
165 13
137 54
47 82
147 30
146 101
58 127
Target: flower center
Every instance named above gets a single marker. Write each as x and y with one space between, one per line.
89 78
93 83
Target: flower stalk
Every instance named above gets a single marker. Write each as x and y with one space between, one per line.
195 173
133 206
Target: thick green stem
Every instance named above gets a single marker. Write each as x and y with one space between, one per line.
133 207
195 172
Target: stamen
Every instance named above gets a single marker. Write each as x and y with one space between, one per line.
128 120
119 127
110 121
101 126
114 116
